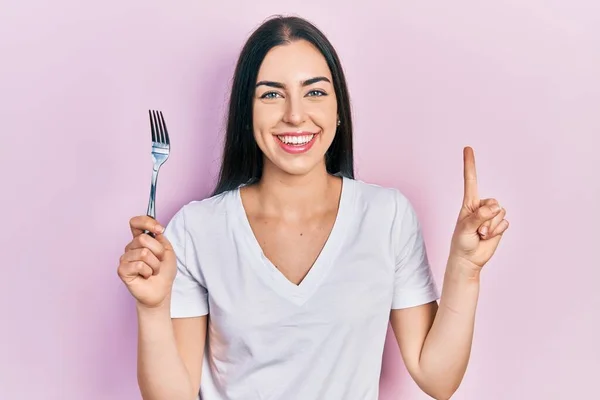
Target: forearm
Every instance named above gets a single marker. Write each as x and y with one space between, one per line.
447 347
162 374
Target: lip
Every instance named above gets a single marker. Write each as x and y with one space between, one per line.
296 133
295 149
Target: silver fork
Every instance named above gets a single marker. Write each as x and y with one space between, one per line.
161 147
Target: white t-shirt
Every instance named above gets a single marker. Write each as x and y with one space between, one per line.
322 339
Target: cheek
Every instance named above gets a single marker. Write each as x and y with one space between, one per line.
261 120
265 118
326 120
325 113
266 115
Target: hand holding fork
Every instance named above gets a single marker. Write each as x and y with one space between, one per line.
148 265
161 146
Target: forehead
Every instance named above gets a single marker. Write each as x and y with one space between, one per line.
295 61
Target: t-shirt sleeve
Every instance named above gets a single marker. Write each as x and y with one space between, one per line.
189 297
414 282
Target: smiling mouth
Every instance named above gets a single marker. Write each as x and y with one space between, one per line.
296 140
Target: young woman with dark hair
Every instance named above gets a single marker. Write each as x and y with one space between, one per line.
282 283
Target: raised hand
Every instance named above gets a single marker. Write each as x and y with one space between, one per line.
481 223
148 265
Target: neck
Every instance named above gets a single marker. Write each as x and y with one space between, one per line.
296 195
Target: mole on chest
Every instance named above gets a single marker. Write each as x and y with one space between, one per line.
293 249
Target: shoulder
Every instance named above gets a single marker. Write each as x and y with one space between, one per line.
372 195
202 215
212 207
388 206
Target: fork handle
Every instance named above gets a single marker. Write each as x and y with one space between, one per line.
151 212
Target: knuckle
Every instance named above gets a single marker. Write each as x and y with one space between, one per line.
140 222
124 269
140 241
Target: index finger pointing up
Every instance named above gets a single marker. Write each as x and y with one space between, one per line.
471 194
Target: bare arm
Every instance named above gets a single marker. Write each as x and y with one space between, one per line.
170 354
435 342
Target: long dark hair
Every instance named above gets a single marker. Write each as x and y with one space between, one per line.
242 161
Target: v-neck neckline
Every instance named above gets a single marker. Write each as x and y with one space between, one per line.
273 277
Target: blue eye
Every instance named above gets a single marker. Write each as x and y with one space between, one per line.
269 95
316 93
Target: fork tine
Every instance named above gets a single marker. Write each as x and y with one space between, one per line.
161 131
160 128
153 126
156 126
164 130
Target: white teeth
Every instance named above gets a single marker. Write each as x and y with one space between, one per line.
296 140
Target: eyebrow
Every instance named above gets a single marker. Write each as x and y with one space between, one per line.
280 85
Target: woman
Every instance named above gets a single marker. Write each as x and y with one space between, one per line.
299 266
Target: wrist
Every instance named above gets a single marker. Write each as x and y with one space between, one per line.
462 270
162 309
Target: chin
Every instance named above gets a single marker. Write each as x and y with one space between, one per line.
299 167
297 163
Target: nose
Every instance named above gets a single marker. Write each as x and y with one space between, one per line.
294 111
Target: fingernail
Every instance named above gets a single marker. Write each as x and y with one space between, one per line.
484 230
159 229
496 208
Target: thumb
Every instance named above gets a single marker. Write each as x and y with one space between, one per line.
480 216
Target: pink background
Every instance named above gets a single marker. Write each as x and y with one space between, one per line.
517 80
